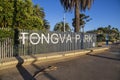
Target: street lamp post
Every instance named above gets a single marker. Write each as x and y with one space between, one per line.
107 39
64 21
82 28
82 37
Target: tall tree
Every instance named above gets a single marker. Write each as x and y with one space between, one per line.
22 14
78 5
112 32
6 13
46 25
60 27
38 11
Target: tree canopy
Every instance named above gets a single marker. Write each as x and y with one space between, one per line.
22 14
83 20
60 27
112 32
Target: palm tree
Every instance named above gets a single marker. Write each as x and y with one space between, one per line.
83 20
60 27
78 5
46 25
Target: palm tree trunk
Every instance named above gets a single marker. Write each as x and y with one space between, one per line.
77 17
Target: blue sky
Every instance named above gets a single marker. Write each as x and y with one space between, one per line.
102 12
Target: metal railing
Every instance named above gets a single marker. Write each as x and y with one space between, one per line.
6 48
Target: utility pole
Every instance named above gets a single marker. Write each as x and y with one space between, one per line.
82 28
64 21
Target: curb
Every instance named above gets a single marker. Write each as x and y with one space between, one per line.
47 58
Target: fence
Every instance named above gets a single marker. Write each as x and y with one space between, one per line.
28 42
6 48
6 43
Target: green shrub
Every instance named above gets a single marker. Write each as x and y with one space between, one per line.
100 38
6 33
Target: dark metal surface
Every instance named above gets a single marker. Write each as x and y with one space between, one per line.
40 48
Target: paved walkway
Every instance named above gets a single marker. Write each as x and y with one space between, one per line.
101 66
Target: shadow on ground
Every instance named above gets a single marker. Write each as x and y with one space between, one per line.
0 77
115 47
114 50
105 57
41 70
26 75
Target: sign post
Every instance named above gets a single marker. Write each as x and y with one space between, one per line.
107 39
